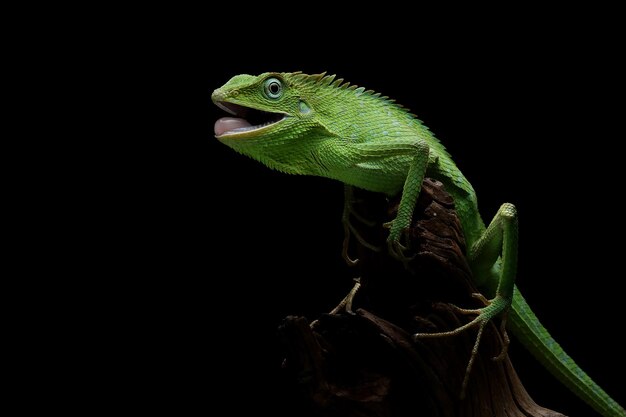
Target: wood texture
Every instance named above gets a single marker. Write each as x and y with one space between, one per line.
367 364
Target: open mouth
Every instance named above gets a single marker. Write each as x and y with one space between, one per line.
246 119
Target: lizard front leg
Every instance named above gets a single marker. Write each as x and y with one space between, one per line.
349 229
382 167
497 247
410 193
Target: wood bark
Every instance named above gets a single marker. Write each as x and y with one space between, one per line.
367 364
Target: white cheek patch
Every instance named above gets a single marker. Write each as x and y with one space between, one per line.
304 108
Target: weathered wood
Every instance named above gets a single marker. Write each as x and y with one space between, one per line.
368 364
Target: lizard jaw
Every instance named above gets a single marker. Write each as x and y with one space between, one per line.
249 120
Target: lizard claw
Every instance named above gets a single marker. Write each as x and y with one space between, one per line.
396 249
484 316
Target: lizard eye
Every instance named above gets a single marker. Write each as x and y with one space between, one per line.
273 88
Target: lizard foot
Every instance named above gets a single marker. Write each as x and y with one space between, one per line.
492 308
396 249
346 303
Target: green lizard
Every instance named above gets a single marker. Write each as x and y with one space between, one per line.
319 125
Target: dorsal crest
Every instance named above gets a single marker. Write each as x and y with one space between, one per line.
329 80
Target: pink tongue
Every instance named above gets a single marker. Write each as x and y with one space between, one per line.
226 124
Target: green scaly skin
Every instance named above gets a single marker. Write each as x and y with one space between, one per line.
330 129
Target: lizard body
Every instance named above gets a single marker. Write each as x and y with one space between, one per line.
322 126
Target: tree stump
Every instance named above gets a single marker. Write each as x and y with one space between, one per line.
367 364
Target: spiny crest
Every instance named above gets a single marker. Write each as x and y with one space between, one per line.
325 80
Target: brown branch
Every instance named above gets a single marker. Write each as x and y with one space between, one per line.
368 364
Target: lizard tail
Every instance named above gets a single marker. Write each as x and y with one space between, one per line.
525 325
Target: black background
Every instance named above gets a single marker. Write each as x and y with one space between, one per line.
525 110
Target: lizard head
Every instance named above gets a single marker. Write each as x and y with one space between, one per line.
298 123
269 113
261 104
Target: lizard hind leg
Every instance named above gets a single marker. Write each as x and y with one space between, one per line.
496 247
